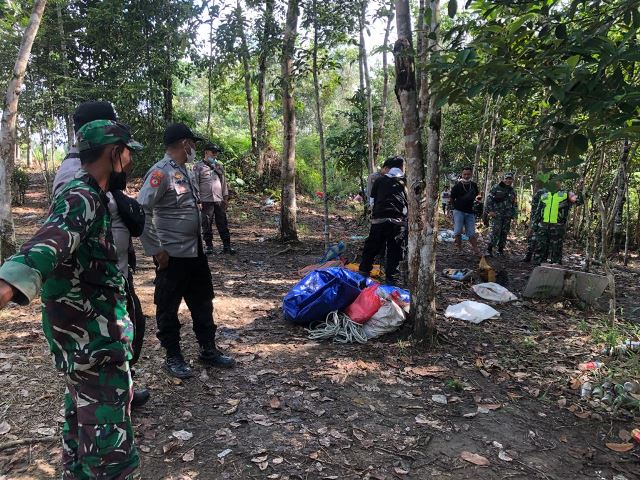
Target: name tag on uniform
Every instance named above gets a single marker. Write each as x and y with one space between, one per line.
180 183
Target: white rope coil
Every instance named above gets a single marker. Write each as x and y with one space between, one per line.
340 328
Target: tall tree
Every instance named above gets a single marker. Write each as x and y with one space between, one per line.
288 207
248 88
388 12
407 96
365 80
266 45
8 130
425 292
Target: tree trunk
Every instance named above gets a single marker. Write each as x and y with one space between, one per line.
265 50
247 78
209 73
627 227
614 219
367 87
407 96
320 126
425 293
495 125
8 131
481 134
288 227
385 87
68 118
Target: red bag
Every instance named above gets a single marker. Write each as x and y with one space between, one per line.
365 306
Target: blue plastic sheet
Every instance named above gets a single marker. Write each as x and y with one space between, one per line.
321 292
405 296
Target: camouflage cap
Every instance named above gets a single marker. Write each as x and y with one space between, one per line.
105 132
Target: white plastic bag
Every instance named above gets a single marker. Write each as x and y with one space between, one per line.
387 319
470 311
493 292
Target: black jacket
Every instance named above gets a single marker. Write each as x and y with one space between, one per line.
463 196
390 198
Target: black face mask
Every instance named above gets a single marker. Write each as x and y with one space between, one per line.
117 180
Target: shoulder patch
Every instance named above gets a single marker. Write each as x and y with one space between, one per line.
156 178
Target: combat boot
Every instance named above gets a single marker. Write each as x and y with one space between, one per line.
177 367
140 397
215 358
228 249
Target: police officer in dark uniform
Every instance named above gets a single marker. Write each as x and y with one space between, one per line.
172 236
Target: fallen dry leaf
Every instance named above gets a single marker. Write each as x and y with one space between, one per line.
620 447
275 403
182 435
277 460
429 371
400 470
260 459
4 428
624 435
502 455
189 456
474 458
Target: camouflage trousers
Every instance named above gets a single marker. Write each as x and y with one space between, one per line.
549 242
500 227
97 434
532 239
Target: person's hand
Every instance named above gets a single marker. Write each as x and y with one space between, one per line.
492 214
225 204
162 259
6 293
573 197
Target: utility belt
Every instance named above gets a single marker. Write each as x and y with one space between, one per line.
552 225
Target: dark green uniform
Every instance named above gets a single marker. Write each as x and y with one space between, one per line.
532 238
551 218
72 262
502 201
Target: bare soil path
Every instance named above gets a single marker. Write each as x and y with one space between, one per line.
297 409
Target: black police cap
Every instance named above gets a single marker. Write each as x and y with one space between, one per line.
212 147
93 110
179 131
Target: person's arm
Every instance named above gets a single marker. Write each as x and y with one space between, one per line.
70 218
491 204
374 193
455 192
154 187
225 187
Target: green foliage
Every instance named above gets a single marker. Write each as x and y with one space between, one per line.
19 185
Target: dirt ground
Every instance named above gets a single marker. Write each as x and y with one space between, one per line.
298 409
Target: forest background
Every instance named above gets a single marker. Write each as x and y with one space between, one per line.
307 96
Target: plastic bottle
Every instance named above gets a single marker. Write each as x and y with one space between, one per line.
585 390
590 365
621 349
632 387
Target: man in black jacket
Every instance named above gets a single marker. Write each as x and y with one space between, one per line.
463 195
388 220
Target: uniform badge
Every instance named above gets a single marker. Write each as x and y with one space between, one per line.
156 178
178 176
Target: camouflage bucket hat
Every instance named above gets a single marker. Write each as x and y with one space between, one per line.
105 132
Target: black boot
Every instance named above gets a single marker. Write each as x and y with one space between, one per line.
215 358
140 397
177 367
228 249
208 250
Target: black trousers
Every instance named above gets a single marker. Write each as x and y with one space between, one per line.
188 278
383 235
214 211
134 308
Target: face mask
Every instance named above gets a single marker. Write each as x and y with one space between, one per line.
191 156
117 180
465 180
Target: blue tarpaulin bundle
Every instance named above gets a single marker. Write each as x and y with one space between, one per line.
326 290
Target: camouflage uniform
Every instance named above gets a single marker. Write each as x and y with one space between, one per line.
532 238
72 261
503 201
551 219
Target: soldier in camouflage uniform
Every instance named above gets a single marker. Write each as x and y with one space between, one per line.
551 223
501 208
72 258
533 226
